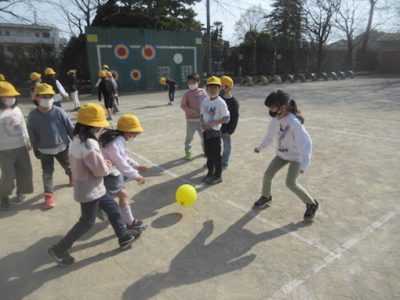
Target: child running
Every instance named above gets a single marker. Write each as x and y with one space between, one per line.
88 168
294 148
113 147
106 89
50 131
15 163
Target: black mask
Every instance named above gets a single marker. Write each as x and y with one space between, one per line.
273 114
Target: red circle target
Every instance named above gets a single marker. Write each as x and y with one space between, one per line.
121 51
148 52
136 75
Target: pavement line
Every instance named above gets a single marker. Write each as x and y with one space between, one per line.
272 224
336 255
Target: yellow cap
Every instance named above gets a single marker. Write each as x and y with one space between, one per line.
102 74
92 114
49 71
2 77
108 74
106 67
213 80
44 89
34 76
70 72
227 81
7 90
163 80
129 123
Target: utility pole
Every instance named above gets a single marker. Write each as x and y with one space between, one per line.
209 60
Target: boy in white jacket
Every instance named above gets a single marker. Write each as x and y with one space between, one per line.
294 148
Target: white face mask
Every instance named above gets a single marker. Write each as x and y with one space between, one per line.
46 102
9 101
193 86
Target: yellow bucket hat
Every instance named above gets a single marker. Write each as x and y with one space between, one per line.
2 77
92 114
102 74
8 90
129 123
49 71
214 80
44 89
34 76
227 81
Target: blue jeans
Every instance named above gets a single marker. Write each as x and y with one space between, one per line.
171 94
226 152
86 221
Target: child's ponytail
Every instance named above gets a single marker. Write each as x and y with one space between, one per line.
292 107
108 136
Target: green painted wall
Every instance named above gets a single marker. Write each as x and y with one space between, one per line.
140 57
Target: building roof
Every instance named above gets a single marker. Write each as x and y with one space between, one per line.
27 26
389 37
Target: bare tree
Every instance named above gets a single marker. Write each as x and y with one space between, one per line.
8 9
348 21
252 20
372 4
78 13
319 21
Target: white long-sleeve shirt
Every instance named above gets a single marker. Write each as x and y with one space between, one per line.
294 142
13 132
115 152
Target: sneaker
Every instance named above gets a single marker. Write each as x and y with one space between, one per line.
62 258
49 201
311 211
5 203
101 214
70 180
170 103
188 155
109 118
206 178
213 180
262 202
137 223
132 235
19 198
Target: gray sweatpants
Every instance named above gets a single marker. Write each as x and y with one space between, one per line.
15 164
291 179
191 127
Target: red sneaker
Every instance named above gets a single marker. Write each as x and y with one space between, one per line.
49 201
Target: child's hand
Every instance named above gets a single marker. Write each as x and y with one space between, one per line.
108 163
28 147
256 150
142 169
140 180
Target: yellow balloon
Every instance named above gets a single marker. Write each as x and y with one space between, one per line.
186 195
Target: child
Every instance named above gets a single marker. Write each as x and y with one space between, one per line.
35 78
88 168
171 86
51 79
106 89
113 148
50 131
229 128
115 92
191 103
73 89
294 148
213 114
15 163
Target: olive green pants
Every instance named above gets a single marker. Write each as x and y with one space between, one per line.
291 179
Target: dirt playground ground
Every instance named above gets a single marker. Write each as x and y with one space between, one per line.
219 248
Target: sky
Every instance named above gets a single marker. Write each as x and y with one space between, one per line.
226 11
